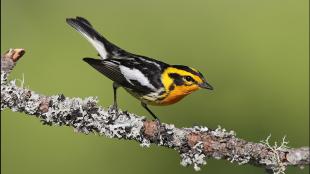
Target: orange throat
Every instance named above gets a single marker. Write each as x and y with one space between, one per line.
177 94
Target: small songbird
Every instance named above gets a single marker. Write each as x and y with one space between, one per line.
151 81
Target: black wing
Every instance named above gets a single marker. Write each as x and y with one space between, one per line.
109 69
139 76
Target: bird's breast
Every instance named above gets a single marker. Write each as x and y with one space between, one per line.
175 95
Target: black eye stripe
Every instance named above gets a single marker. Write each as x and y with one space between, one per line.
180 80
177 78
174 75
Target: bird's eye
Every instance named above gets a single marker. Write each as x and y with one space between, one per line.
189 78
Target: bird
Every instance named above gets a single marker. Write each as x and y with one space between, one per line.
151 81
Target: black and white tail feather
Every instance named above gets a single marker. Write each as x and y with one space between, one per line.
105 48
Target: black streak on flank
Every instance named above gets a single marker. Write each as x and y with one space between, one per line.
162 93
140 88
178 80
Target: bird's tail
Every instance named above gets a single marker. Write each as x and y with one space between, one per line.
101 44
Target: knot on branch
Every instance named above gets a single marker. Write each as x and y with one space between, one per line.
151 130
44 105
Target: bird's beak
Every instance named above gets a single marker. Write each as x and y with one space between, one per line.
205 85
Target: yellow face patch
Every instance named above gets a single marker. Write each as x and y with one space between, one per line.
176 92
167 81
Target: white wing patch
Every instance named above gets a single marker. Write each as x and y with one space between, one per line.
97 44
135 74
151 62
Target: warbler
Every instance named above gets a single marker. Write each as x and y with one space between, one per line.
151 81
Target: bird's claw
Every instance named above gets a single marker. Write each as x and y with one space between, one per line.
158 121
115 109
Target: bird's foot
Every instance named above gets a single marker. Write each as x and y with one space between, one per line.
158 121
114 108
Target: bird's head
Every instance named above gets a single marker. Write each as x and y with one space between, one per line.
184 80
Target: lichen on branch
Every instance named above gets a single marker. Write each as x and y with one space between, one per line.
194 144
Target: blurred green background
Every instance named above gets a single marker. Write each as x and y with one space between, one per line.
254 52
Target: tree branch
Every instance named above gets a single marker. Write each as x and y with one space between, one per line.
194 144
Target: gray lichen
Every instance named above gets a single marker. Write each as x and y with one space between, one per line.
195 157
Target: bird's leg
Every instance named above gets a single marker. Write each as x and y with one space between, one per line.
115 108
153 115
